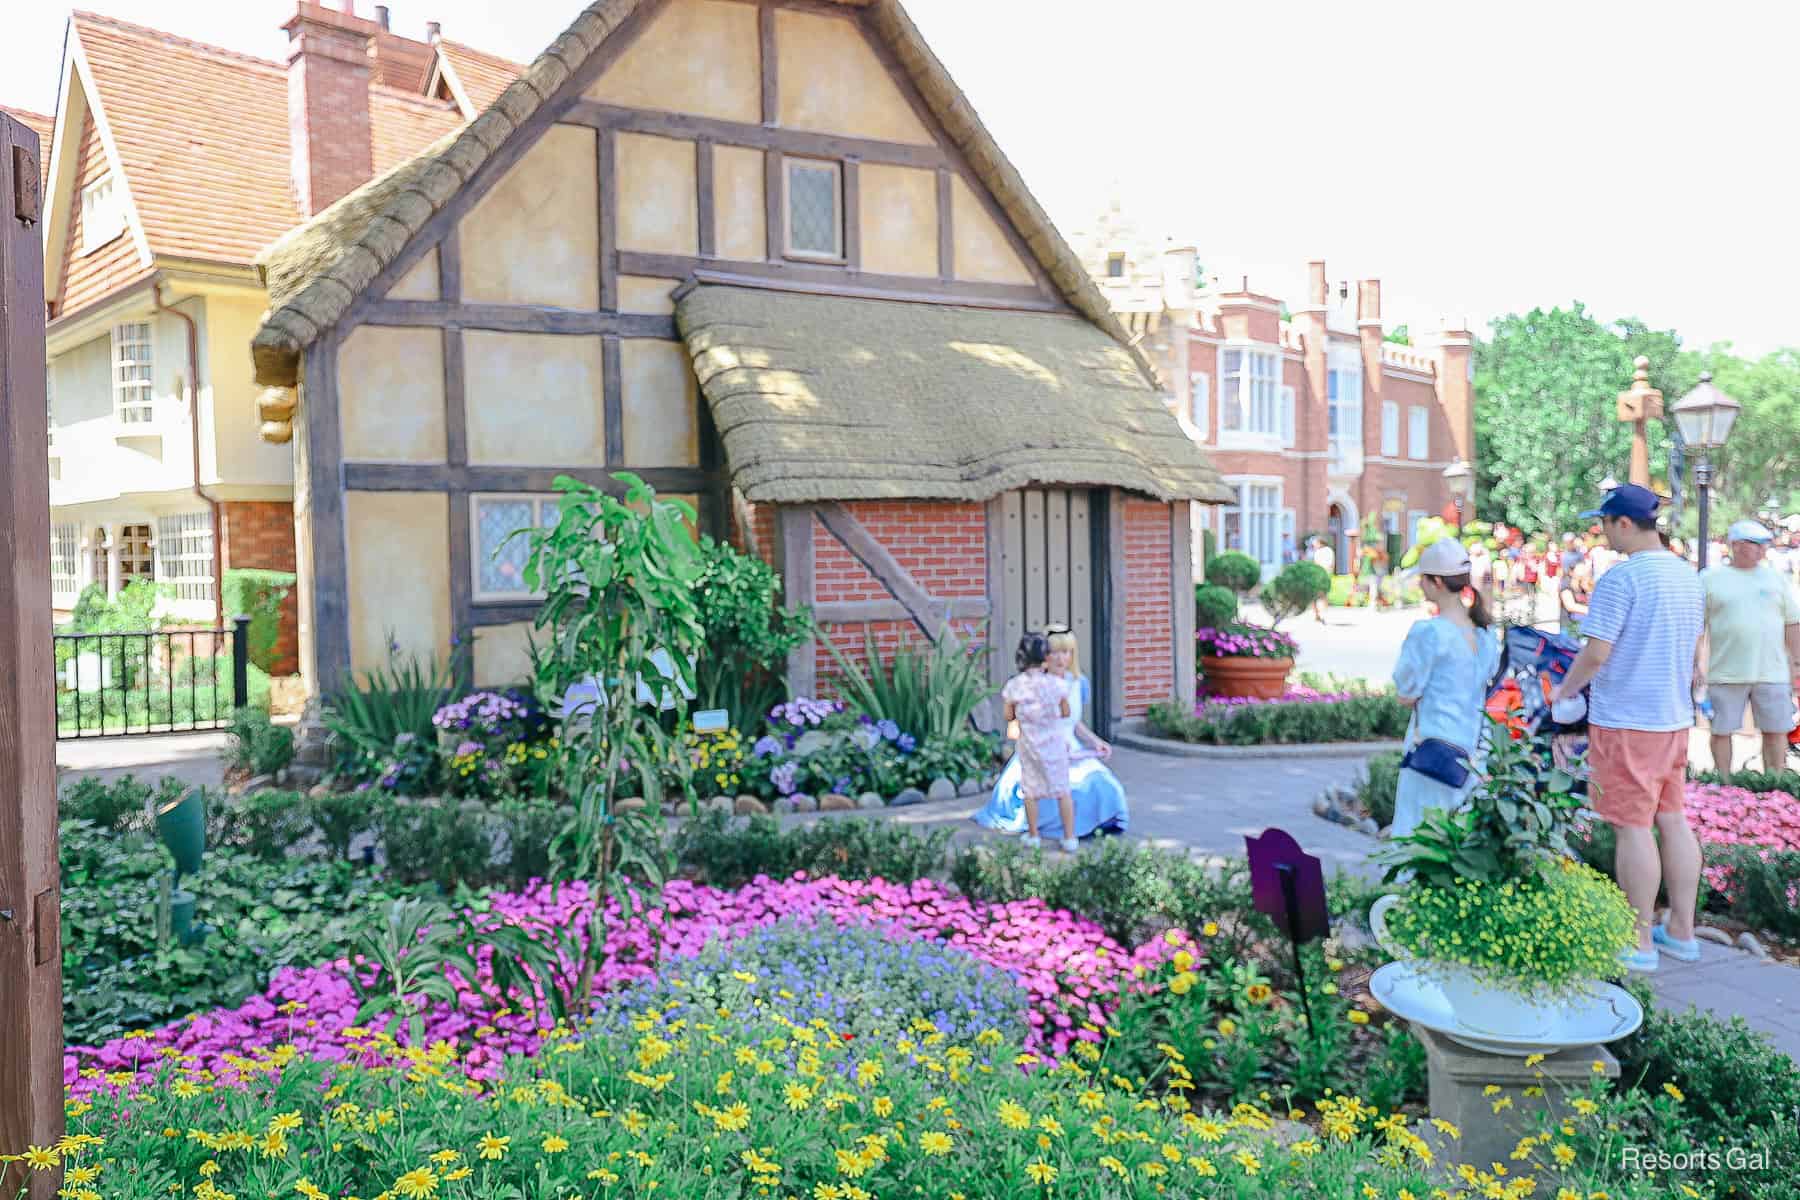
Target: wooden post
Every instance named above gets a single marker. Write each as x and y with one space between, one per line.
1637 405
31 1044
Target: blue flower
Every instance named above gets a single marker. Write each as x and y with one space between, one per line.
906 743
764 747
887 729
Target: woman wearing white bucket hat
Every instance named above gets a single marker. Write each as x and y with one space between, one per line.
1444 668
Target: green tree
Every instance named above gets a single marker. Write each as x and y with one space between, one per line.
1762 457
1400 335
1546 426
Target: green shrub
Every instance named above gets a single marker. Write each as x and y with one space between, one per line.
1760 888
258 594
748 635
401 698
443 841
258 746
1732 1076
120 804
1234 570
1357 719
1757 781
929 693
1378 785
1214 607
529 827
715 849
271 824
1294 590
339 817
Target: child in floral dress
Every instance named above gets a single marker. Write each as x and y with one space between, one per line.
1038 701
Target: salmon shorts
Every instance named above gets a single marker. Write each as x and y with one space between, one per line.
1635 774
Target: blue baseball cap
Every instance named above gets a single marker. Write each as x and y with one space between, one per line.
1628 500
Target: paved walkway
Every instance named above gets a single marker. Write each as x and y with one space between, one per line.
194 757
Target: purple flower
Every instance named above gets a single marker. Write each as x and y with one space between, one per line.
887 729
764 747
906 743
784 777
469 748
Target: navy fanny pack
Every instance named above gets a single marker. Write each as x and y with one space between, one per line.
1436 759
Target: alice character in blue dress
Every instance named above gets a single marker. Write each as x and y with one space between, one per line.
1445 665
1099 796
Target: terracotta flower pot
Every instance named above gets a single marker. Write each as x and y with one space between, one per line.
1255 678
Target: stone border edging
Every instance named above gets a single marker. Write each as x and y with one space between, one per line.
1136 735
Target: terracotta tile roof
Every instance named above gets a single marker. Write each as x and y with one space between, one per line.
38 123
401 124
481 76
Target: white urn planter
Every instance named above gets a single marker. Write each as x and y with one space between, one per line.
1480 1007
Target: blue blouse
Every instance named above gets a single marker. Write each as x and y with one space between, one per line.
1450 681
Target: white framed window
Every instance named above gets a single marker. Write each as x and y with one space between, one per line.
102 214
137 554
184 545
65 563
1413 517
498 528
815 208
1287 416
1390 429
1256 522
134 373
1200 404
1344 414
1250 392
1418 432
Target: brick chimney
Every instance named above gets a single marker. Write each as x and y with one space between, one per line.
1368 331
1456 385
328 103
1313 431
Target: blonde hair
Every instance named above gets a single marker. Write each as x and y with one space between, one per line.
1066 641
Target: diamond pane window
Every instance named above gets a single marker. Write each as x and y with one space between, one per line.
815 218
502 548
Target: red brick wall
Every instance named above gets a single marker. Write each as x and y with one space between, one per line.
259 534
328 109
1149 614
942 545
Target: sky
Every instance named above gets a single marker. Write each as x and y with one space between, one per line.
1478 158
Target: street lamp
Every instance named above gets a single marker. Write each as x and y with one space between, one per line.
1459 478
1704 416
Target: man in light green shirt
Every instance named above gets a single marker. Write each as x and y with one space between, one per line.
1751 648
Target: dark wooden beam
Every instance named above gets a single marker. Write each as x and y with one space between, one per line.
1181 596
456 409
516 318
703 197
450 267
994 530
607 197
794 548
482 615
774 219
770 63
612 400
462 582
857 612
852 216
946 226
325 514
925 611
838 281
441 477
803 142
1109 615
31 1042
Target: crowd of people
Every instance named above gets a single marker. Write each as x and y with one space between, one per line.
1661 646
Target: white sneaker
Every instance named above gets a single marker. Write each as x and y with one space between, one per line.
1030 841
1070 845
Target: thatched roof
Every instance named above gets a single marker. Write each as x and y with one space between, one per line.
831 398
328 263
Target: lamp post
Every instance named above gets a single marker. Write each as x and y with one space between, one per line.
1459 478
1704 416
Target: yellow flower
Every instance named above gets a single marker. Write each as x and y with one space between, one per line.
555 1144
1114 1165
285 1122
1183 960
1563 1153
1259 993
493 1148
417 1184
1210 929
1014 1117
1248 1161
934 1143
209 1168
883 1107
458 1175
1674 1092
733 1119
1357 1016
1183 983
1040 1172
310 1190
444 1158
1173 937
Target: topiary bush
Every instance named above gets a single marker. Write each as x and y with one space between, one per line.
1295 590
1234 570
1214 607
258 594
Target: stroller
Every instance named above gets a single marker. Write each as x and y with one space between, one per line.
1532 662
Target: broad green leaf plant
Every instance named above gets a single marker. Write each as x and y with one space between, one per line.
620 615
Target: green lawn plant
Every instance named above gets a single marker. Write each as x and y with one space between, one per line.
619 574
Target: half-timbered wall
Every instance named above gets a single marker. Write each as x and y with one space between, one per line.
528 330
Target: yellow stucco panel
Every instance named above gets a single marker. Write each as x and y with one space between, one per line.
502 654
420 283
982 251
534 399
535 238
899 220
738 215
644 294
654 180
391 395
831 81
398 568
660 404
700 56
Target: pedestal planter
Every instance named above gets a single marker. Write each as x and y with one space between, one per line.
1254 678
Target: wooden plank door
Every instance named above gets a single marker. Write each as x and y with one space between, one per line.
1046 570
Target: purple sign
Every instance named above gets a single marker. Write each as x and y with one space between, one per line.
1289 885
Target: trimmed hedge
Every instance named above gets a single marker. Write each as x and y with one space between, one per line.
258 594
1357 719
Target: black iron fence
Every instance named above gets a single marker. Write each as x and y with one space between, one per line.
150 681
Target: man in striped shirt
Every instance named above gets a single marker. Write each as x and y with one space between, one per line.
1642 634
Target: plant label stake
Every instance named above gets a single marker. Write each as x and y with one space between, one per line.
1288 884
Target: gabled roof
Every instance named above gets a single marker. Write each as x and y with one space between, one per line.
318 298
473 78
39 123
